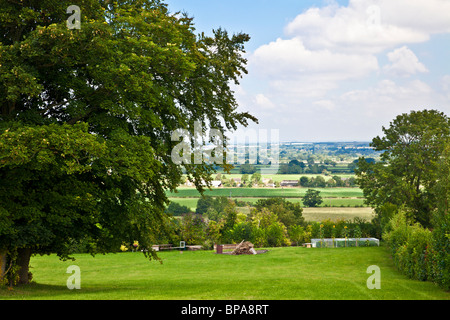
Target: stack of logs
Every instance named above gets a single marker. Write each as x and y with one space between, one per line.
245 247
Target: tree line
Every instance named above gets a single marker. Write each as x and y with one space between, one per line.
271 222
410 191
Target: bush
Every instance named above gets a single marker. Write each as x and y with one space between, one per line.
438 253
356 228
412 249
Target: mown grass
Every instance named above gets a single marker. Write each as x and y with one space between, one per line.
293 273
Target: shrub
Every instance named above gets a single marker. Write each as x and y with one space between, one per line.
241 231
438 253
299 234
410 245
276 235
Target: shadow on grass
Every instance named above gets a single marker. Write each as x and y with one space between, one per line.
38 291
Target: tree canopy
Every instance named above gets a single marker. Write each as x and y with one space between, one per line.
312 198
407 174
87 116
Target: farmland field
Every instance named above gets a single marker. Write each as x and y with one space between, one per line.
267 192
290 273
338 203
281 177
334 212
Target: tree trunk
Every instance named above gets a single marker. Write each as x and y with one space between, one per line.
23 260
2 263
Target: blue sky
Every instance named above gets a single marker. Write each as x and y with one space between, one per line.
264 20
335 70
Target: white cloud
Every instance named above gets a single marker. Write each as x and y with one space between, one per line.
428 16
371 26
291 58
325 73
325 104
262 101
296 72
404 63
387 99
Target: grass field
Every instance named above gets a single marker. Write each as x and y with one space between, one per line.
188 192
334 212
341 203
331 202
292 273
281 177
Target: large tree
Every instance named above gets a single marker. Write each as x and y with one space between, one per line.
87 116
411 147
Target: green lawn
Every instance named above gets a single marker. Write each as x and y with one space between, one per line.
282 273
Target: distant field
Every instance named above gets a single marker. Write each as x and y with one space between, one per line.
334 214
190 192
332 202
310 214
281 177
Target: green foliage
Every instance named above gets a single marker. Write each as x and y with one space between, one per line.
289 213
268 230
192 228
86 118
418 252
356 228
407 173
410 190
409 245
312 198
438 253
247 169
218 204
299 234
177 209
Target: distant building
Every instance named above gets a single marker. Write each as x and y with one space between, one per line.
267 183
216 183
289 183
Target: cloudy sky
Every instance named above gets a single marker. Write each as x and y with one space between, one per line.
329 70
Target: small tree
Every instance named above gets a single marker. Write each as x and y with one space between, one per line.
312 198
304 181
177 209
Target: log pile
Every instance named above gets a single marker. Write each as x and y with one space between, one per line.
245 247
